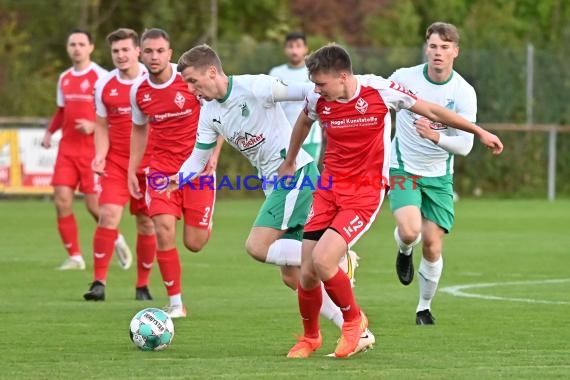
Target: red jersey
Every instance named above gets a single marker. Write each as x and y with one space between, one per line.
358 129
75 94
172 113
113 102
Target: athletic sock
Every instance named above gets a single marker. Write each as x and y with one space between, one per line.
146 252
309 306
284 252
339 289
67 227
169 265
429 274
406 249
103 246
175 300
329 310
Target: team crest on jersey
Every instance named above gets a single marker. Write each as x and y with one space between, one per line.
244 110
249 141
450 105
361 106
85 85
179 100
114 92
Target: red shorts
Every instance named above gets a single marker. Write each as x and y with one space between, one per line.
114 189
197 204
72 171
349 214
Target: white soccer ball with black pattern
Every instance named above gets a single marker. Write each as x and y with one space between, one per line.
151 329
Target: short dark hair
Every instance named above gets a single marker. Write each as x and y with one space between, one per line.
82 31
201 56
155 33
123 34
447 32
292 36
329 58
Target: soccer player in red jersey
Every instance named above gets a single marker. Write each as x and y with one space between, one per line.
112 146
75 115
164 109
354 113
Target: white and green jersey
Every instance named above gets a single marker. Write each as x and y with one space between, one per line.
290 74
417 155
252 122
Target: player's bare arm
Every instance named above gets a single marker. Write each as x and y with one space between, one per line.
101 139
298 135
85 126
139 137
53 126
193 167
440 114
213 162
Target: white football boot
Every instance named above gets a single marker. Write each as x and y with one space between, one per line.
73 263
123 252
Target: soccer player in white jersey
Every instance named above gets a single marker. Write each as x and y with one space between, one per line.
295 71
425 148
244 109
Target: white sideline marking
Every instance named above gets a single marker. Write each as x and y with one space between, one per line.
458 291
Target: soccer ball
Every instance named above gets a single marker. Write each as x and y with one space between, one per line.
151 330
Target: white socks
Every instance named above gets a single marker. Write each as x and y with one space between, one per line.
176 300
329 310
428 275
284 252
406 249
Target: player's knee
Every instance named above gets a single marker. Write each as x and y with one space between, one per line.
309 278
409 234
109 218
290 280
322 264
165 235
255 249
195 243
62 203
431 249
145 227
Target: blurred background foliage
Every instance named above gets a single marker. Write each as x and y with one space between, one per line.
381 35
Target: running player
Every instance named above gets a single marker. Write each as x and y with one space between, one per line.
244 109
425 149
112 135
354 112
164 110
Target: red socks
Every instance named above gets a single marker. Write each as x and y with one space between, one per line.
310 302
169 264
67 227
146 251
103 247
339 290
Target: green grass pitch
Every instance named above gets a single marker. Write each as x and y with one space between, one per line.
243 320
